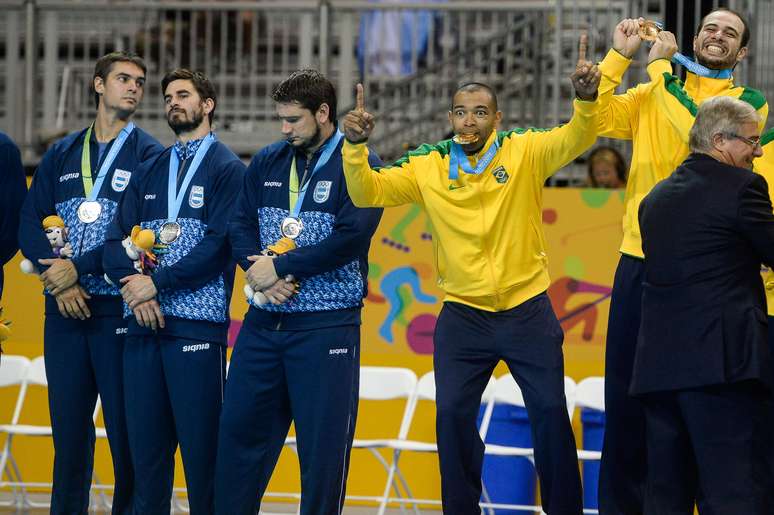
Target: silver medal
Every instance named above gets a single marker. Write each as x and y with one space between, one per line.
89 211
291 227
169 232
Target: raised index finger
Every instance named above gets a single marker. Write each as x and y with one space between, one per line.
584 38
359 99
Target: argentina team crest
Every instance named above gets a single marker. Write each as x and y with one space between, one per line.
500 174
196 198
120 180
322 191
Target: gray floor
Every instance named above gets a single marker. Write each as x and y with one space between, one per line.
267 509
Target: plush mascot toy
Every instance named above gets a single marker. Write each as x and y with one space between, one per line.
141 248
281 247
56 232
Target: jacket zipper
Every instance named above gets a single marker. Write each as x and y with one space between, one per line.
487 249
279 322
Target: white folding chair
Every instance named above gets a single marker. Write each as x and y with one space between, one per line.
425 392
591 394
386 384
36 376
101 433
13 372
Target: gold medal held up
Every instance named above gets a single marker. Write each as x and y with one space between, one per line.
649 30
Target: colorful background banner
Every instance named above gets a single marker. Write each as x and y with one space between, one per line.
583 231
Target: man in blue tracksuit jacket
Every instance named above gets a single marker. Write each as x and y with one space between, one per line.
82 178
13 188
175 353
297 357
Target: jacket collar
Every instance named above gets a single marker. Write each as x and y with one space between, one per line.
704 87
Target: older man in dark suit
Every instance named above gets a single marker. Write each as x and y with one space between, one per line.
702 365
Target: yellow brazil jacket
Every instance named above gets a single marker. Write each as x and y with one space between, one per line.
764 165
657 117
488 240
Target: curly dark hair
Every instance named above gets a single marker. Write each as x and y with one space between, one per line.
309 88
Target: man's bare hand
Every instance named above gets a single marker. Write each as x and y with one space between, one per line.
281 291
626 36
261 274
664 47
148 314
586 77
358 124
136 289
72 302
61 274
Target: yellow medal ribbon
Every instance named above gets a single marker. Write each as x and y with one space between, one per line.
88 184
293 185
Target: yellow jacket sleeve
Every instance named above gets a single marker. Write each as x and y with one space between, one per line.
550 150
671 98
617 113
391 186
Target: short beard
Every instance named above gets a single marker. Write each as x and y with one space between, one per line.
724 65
183 126
313 141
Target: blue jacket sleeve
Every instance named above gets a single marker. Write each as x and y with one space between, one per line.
243 230
350 239
13 188
91 262
39 204
150 150
115 262
210 256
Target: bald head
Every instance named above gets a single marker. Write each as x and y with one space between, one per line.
472 87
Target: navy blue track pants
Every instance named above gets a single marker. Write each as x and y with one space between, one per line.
84 358
469 343
309 377
623 470
174 392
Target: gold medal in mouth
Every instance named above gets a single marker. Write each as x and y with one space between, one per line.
464 139
649 30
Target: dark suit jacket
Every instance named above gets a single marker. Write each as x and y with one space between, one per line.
706 230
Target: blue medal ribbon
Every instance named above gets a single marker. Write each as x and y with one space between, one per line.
91 195
327 152
458 159
175 197
699 69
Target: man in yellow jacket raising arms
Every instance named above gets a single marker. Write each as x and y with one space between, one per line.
657 117
483 195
